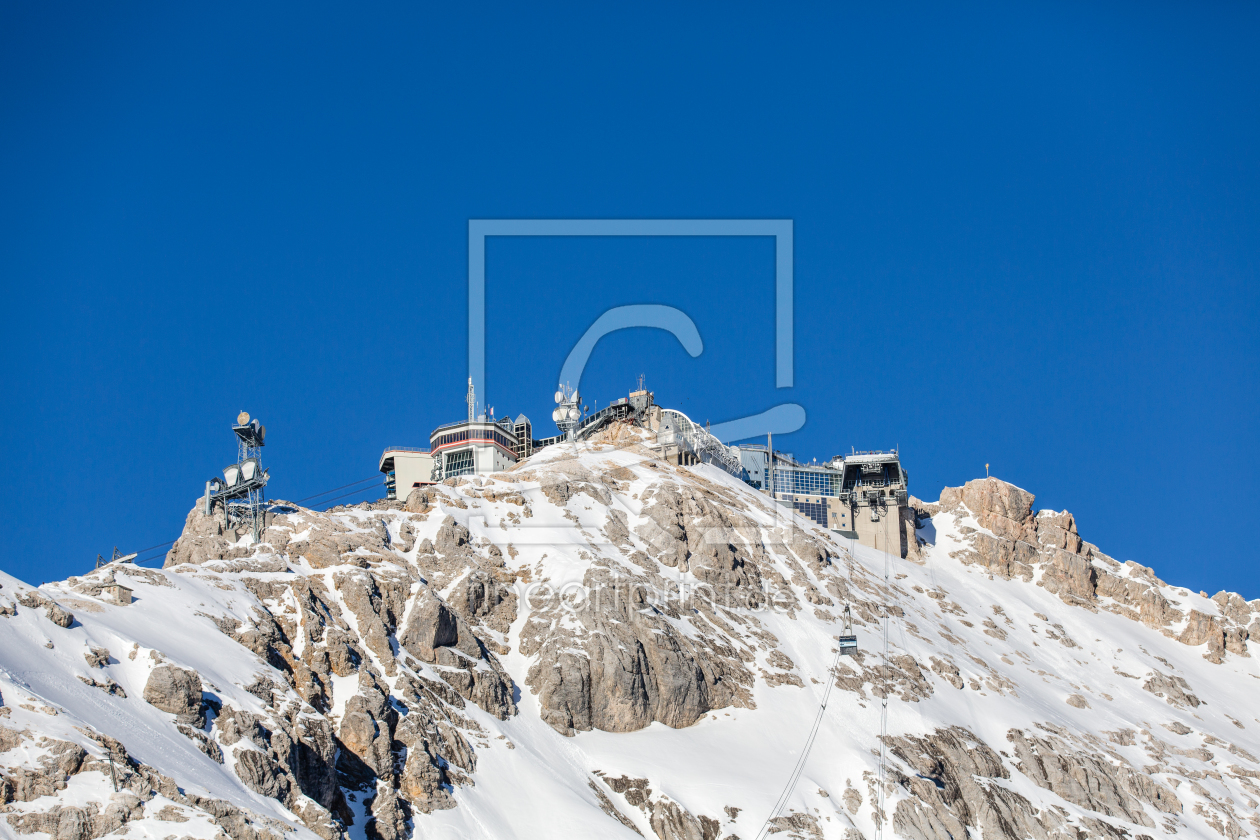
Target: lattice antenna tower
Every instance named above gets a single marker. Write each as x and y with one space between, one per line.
568 411
250 439
242 490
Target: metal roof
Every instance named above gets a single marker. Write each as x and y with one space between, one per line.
872 458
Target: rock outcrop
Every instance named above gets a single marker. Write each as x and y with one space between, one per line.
1045 547
175 690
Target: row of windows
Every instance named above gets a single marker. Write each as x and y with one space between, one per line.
479 434
878 481
816 511
459 463
805 482
887 476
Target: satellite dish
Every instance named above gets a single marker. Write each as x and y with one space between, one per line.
262 432
575 414
557 414
559 396
242 418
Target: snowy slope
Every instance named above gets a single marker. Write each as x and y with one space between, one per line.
1016 707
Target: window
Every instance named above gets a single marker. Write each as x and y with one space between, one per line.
811 482
816 511
459 463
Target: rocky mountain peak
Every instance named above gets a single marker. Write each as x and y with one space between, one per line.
598 643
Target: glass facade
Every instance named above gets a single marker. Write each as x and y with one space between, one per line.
459 463
816 511
873 475
524 432
805 482
475 434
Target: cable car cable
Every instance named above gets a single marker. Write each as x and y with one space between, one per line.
343 495
795 776
335 489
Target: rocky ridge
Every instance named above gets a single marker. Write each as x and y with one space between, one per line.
1013 541
600 644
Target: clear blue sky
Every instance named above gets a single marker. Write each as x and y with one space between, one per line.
1026 234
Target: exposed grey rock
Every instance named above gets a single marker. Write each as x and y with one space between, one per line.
949 794
671 821
798 825
54 612
432 625
175 690
606 805
1174 689
420 500
1023 544
389 816
1091 780
60 823
260 773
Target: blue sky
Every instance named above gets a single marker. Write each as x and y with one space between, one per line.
1024 235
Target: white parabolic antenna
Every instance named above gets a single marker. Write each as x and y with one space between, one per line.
557 414
242 418
559 396
575 414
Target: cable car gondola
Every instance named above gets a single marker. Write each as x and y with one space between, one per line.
848 641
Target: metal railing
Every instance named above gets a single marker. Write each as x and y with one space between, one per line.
424 450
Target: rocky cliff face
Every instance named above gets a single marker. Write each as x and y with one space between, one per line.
1014 542
601 644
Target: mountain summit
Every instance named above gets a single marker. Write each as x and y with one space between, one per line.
600 644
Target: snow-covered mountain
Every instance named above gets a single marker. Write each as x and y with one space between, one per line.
599 644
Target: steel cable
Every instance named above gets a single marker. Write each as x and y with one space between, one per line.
809 745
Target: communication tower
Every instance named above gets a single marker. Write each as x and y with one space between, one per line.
242 490
568 412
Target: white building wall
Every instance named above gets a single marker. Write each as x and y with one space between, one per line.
411 469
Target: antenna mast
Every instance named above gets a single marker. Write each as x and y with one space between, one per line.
241 491
568 412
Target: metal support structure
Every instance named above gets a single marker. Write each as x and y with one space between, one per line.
708 449
242 490
116 557
568 412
